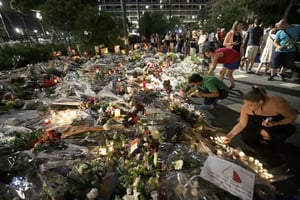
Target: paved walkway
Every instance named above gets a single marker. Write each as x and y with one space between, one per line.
286 158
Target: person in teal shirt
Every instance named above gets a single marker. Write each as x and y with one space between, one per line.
208 87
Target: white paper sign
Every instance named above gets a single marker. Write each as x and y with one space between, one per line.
229 176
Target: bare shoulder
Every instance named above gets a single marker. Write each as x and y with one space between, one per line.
278 101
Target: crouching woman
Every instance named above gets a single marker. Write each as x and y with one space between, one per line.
264 119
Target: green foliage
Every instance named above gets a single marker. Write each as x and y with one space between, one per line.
24 140
25 54
93 28
61 14
154 22
26 5
224 12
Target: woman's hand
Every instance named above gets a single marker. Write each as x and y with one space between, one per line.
268 122
226 139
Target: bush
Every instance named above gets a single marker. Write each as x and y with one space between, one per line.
19 55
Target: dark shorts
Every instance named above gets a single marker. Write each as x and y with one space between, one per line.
281 59
222 95
232 66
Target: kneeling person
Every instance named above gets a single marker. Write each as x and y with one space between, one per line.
208 87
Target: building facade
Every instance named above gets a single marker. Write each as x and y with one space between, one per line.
189 11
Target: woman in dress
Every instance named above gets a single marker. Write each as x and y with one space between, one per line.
267 53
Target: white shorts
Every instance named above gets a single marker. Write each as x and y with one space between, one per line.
251 51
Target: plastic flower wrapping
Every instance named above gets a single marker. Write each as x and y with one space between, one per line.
109 129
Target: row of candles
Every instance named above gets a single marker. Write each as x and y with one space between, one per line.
250 161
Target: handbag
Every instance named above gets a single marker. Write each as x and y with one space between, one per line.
297 46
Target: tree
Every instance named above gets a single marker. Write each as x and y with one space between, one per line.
26 5
61 14
154 22
224 12
93 28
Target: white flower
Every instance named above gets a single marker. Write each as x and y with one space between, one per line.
93 194
178 164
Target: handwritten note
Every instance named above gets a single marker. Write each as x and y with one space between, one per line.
229 176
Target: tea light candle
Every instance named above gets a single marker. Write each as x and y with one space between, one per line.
172 97
111 148
47 121
155 158
103 151
251 159
129 90
117 112
242 154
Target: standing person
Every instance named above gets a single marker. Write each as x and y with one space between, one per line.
285 50
254 39
226 56
208 87
202 41
264 119
268 51
220 36
234 37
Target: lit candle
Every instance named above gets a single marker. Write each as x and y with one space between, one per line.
155 158
117 112
171 97
47 121
111 148
129 90
241 154
103 151
251 159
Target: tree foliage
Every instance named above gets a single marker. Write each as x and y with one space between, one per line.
224 12
89 26
26 5
61 14
154 22
95 28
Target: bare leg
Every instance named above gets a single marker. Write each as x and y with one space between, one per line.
268 67
259 67
251 62
229 75
265 134
273 71
222 73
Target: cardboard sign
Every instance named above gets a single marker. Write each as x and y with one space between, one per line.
229 176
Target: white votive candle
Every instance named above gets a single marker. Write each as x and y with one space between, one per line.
117 112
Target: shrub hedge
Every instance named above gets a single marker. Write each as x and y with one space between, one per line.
19 55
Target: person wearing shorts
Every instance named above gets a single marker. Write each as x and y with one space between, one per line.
228 57
285 50
254 39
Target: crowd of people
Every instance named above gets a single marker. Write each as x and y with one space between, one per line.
272 47
264 118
